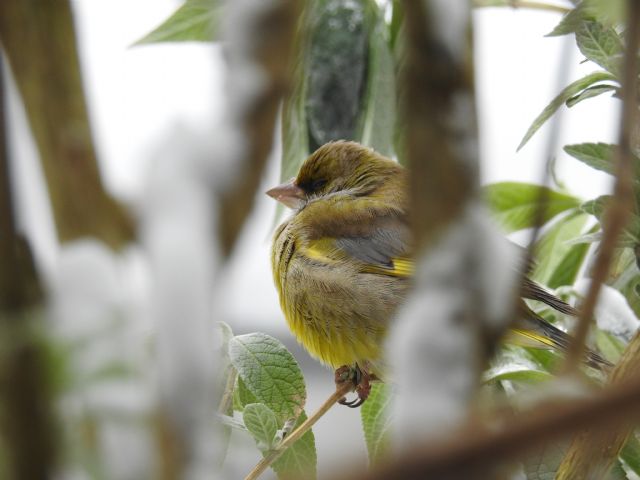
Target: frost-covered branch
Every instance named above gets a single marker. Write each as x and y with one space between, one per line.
464 279
198 200
260 41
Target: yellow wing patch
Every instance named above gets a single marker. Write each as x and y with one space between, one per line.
400 267
324 250
529 338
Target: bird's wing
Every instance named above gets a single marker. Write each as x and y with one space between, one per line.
383 248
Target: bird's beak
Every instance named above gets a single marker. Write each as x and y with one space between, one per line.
288 194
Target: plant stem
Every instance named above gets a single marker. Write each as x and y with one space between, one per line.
273 455
521 4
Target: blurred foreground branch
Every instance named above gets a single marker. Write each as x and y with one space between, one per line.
593 451
264 55
39 41
437 368
474 452
26 420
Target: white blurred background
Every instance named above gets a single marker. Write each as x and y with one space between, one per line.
138 95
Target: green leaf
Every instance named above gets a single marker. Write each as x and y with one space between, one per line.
573 20
610 346
602 45
518 374
270 372
596 155
242 396
376 422
568 92
600 157
300 459
543 463
631 454
546 359
193 21
336 69
262 424
568 268
552 248
597 206
515 205
379 118
630 236
590 93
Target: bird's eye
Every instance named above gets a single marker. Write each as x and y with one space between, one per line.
317 184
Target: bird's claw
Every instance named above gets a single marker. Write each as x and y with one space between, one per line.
361 383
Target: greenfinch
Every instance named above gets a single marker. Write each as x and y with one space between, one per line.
342 263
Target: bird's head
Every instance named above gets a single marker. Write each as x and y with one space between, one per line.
335 167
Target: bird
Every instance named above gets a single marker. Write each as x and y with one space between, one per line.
342 264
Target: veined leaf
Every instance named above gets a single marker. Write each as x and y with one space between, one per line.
568 92
543 463
376 422
515 205
590 93
599 156
270 372
552 248
602 45
596 155
631 234
242 396
300 459
261 422
193 21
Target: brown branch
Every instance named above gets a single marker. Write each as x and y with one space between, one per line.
273 51
26 420
441 180
618 212
593 452
38 39
475 453
304 427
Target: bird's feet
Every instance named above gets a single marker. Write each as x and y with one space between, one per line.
361 381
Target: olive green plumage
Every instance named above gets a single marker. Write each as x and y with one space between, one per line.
341 262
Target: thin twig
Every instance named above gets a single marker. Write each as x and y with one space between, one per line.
273 455
617 214
521 4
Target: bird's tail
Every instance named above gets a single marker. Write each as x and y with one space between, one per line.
535 331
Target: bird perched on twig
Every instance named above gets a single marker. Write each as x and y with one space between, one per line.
342 263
